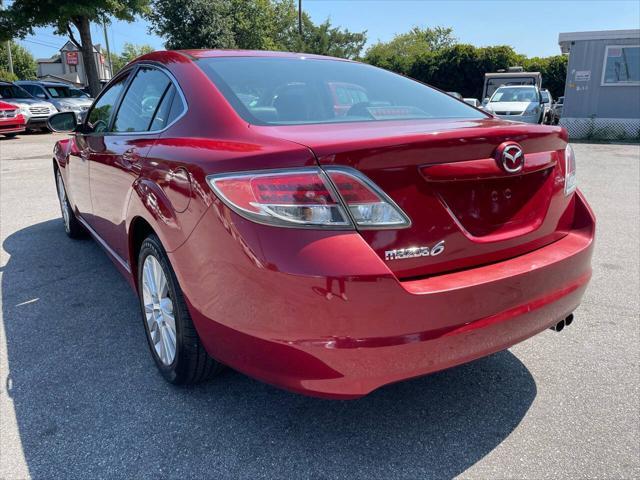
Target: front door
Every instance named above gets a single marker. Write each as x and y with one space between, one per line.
116 158
89 139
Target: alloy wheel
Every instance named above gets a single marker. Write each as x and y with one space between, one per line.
64 204
159 310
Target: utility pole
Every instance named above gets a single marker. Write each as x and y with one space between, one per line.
300 17
106 42
10 58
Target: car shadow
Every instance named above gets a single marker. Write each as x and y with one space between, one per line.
89 403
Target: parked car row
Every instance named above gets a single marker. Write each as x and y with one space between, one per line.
34 102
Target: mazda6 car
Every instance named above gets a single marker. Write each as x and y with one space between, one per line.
328 251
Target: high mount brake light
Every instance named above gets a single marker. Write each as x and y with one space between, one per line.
570 178
308 198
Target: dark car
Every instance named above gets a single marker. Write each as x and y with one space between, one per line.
328 252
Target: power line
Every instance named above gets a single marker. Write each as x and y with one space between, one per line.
56 47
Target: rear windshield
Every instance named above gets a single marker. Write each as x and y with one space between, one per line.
292 91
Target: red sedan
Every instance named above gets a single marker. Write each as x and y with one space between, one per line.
11 120
326 252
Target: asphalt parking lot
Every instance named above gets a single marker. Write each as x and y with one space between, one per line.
80 396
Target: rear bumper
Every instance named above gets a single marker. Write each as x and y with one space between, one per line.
327 318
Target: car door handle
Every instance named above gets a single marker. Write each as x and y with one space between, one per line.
130 158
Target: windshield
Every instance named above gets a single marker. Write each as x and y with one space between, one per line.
292 91
494 83
13 91
65 92
511 94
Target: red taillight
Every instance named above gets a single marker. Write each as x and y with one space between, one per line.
368 205
308 197
282 198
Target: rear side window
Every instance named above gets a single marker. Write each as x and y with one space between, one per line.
161 117
141 101
291 91
98 118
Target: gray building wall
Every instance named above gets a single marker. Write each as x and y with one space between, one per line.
587 99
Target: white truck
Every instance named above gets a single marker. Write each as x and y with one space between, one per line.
512 76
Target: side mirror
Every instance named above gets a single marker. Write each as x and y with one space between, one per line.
63 122
485 101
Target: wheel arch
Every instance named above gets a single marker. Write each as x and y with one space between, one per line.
139 229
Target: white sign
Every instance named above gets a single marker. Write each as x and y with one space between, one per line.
583 75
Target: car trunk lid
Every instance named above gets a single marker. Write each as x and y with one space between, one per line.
445 177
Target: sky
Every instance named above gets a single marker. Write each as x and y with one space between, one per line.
531 27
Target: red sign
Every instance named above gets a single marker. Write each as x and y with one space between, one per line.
72 58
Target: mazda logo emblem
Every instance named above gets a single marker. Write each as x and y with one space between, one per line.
510 157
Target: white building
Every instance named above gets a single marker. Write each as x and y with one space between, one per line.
602 92
68 66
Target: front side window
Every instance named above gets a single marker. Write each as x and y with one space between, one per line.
141 101
100 114
293 91
621 65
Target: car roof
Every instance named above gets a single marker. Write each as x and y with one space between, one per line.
194 54
41 82
517 86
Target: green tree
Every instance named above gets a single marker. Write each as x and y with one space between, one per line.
130 51
402 52
554 72
248 24
24 65
7 76
193 23
22 16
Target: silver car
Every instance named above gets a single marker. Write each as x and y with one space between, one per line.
63 96
520 103
35 111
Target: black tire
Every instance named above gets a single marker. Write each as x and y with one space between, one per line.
191 364
10 135
72 227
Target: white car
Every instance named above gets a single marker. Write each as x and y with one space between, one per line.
62 96
35 111
520 103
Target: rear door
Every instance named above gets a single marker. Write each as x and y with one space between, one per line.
116 158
